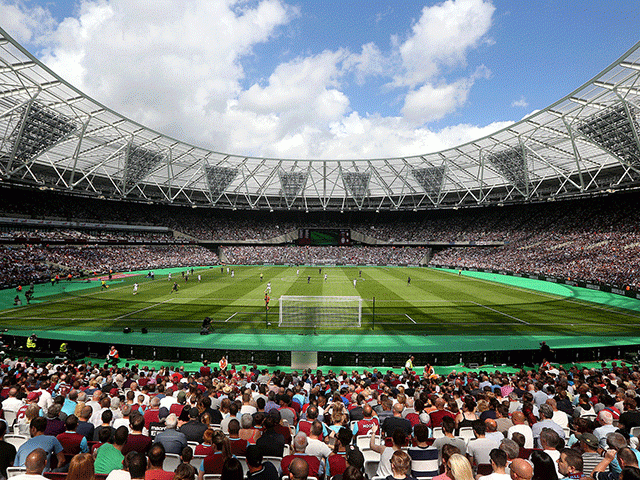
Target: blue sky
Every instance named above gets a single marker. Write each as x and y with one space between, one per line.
330 79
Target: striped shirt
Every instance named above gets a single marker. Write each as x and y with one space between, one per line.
424 461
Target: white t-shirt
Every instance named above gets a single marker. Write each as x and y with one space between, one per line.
119 475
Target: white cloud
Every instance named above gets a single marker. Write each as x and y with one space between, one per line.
441 38
431 102
520 103
23 22
370 62
183 74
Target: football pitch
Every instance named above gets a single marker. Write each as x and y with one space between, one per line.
434 302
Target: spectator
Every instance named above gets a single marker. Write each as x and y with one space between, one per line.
259 470
34 464
171 439
109 456
156 457
81 467
50 445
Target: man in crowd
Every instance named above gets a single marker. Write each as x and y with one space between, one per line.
50 445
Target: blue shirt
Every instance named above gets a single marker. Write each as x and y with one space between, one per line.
48 443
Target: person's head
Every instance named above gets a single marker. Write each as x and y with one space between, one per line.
156 455
344 437
300 442
479 428
421 431
253 456
459 467
510 447
298 469
187 454
207 436
38 426
448 449
519 438
86 413
231 469
81 467
448 426
543 466
399 438
498 459
518 418
605 417
137 465
316 429
352 473
234 427
588 442
104 435
185 471
549 439
400 463
246 420
221 443
616 441
171 422
545 411
36 461
570 461
106 417
120 436
137 423
71 423
626 458
521 469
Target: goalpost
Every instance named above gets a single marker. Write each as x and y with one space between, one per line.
320 311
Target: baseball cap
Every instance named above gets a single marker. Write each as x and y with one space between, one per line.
33 396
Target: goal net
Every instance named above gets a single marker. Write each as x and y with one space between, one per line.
320 311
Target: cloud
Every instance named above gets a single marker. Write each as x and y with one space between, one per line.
520 103
441 38
25 23
184 74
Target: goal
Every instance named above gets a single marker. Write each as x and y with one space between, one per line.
320 311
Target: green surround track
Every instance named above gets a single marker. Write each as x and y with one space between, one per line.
365 341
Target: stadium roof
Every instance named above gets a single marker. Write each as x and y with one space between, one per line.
54 136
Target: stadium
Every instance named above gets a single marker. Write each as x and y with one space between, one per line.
471 255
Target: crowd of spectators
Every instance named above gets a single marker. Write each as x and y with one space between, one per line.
591 239
547 423
26 264
607 257
356 255
83 236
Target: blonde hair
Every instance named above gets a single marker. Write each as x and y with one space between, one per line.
401 462
460 467
78 410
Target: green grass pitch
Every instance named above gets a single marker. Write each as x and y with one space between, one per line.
435 301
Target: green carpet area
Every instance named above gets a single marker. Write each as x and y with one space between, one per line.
439 369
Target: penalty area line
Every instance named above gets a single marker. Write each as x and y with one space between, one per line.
142 309
501 313
230 317
414 322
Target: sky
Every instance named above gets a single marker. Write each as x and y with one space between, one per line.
332 79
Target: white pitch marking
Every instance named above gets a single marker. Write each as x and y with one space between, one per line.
410 318
501 313
145 308
231 317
